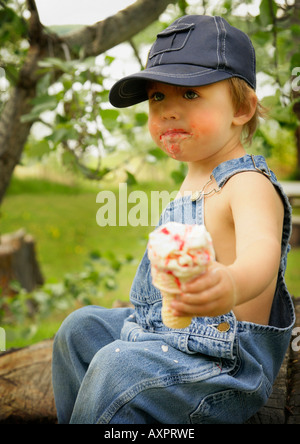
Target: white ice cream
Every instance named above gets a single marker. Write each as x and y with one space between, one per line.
181 249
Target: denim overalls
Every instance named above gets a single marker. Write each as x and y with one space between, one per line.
136 370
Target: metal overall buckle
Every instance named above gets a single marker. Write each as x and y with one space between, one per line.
266 173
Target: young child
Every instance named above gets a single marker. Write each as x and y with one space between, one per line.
123 366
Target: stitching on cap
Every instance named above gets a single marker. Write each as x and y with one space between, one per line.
215 20
224 40
163 51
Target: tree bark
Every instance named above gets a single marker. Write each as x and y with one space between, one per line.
13 134
18 262
121 27
26 394
92 40
26 390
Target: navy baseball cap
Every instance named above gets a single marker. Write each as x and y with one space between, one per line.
195 50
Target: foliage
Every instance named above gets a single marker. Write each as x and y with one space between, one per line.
80 121
13 34
76 289
274 30
274 33
71 104
72 95
26 205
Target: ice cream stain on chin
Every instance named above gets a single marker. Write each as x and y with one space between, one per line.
171 147
172 141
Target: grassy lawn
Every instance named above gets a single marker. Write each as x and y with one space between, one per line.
63 221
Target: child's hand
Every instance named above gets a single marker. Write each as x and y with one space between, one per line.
211 294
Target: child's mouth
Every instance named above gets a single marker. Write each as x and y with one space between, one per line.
175 133
172 139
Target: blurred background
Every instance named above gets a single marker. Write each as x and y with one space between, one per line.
61 143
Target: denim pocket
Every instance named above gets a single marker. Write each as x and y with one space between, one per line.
231 406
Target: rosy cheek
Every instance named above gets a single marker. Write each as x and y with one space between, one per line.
204 126
154 130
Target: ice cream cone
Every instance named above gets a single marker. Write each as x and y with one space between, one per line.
178 253
165 281
171 321
169 286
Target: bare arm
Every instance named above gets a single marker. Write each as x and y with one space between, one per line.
258 218
257 213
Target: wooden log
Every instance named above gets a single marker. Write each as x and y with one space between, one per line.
26 388
18 262
26 394
283 406
293 377
295 238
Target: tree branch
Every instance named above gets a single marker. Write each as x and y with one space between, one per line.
274 30
136 53
35 27
93 40
98 38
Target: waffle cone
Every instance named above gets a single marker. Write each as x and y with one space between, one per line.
165 281
168 318
168 282
169 286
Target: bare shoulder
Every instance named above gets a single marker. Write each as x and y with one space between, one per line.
250 179
253 188
255 203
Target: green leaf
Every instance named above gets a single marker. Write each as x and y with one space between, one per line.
37 149
62 134
109 59
42 104
177 176
67 159
295 60
131 180
109 117
265 16
141 119
62 65
158 154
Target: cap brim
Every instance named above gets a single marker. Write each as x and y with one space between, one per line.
132 89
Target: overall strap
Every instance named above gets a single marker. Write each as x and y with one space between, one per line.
249 162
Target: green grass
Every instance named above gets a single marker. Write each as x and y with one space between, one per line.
63 222
293 272
62 219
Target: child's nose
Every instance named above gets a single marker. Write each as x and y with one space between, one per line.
170 111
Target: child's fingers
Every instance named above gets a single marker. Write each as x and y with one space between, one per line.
210 295
201 283
195 303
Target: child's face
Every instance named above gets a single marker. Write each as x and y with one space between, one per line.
192 123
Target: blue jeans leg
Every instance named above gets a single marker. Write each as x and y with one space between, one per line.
143 382
79 338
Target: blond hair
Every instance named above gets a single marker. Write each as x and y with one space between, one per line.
241 94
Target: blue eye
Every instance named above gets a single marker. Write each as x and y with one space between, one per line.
190 94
